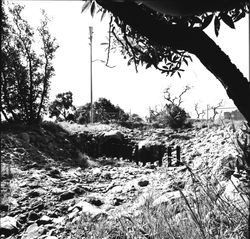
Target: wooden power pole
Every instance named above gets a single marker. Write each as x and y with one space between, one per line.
91 82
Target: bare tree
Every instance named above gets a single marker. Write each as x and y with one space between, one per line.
199 113
215 108
176 100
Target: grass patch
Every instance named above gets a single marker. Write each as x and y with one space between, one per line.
204 212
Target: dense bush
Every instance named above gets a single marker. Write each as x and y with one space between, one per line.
104 112
176 117
27 55
132 124
134 121
62 107
172 116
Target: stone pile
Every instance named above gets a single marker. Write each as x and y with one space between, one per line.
41 199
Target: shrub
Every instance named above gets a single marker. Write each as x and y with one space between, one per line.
132 124
62 107
134 121
104 112
175 117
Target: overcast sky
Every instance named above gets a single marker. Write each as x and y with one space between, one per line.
121 84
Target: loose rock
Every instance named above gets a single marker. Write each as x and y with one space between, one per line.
143 183
8 226
66 196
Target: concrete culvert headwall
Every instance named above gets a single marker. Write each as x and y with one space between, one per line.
110 144
148 152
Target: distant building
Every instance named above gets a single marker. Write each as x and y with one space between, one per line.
235 115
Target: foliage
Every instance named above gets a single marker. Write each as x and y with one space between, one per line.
26 70
141 50
172 114
136 118
134 121
62 107
243 148
82 114
104 111
176 116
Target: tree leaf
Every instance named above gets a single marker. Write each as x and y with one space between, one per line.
103 14
207 21
185 61
216 25
148 65
241 15
228 20
92 9
85 6
196 20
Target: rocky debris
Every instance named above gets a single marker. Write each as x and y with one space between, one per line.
143 183
86 208
33 216
117 201
55 173
45 197
167 198
33 193
44 220
4 207
66 196
33 231
95 201
8 226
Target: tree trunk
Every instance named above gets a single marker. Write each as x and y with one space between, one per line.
193 40
45 87
21 93
6 97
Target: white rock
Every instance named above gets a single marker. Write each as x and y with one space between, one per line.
89 209
96 171
8 225
167 198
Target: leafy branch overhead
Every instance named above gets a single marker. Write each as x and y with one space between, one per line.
139 50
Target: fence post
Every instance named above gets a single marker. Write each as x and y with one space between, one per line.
169 155
207 116
178 155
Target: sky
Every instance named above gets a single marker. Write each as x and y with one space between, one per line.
133 92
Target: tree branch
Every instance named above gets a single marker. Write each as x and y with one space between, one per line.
193 40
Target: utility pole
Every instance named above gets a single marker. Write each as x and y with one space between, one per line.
207 116
91 83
